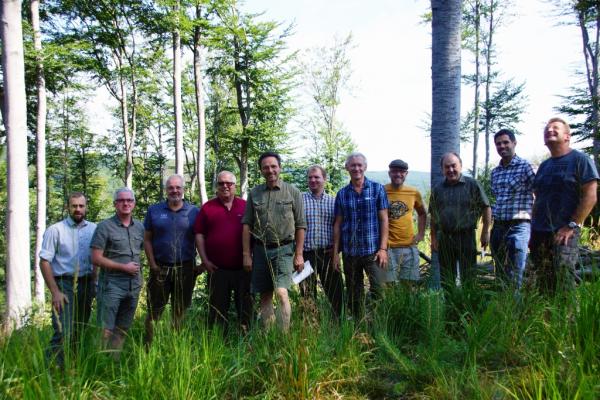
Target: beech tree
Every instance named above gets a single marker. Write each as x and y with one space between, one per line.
40 152
18 273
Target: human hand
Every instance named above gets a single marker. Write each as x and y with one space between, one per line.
382 258
562 236
247 262
59 300
485 238
209 266
132 268
298 262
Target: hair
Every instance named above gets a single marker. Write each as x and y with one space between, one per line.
269 154
562 121
507 132
450 153
226 173
175 176
123 190
317 167
76 195
353 155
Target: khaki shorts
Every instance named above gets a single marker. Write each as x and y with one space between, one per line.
272 268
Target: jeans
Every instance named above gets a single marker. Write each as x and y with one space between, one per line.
509 242
69 322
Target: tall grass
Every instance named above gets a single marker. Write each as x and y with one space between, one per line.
472 343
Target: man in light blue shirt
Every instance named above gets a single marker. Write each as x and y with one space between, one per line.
67 269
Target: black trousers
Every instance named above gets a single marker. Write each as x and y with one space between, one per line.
457 248
331 280
221 285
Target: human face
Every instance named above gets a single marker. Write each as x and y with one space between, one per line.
505 147
316 182
397 176
356 167
451 167
270 169
225 187
77 208
175 190
124 204
555 133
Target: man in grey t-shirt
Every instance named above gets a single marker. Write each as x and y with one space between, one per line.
116 248
565 192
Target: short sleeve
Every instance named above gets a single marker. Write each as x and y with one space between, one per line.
418 199
100 237
382 200
248 218
148 220
49 244
483 199
200 222
587 170
337 205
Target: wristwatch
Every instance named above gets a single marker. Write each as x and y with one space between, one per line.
573 225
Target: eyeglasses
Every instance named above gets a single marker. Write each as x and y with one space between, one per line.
124 200
228 184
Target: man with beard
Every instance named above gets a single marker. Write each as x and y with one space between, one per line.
403 253
218 229
116 248
171 254
68 272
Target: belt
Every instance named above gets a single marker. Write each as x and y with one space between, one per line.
510 222
179 264
274 245
71 277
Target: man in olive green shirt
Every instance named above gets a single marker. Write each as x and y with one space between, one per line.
274 220
116 248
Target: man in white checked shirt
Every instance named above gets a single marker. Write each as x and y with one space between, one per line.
318 241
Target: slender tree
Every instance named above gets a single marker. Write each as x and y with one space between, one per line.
445 113
177 107
40 150
18 272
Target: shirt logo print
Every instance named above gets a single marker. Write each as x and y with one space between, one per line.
397 209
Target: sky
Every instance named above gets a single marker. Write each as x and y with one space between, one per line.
391 95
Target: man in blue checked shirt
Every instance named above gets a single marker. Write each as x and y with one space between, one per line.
512 186
361 229
318 241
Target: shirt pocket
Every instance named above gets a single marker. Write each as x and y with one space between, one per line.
285 207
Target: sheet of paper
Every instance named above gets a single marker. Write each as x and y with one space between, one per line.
298 277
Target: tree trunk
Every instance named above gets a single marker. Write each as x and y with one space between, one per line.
488 85
477 84
200 110
445 68
177 94
18 272
41 154
243 165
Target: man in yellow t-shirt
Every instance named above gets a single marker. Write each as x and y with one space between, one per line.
403 200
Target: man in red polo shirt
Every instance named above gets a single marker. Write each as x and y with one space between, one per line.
218 231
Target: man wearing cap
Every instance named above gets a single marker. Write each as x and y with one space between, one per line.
455 206
68 272
511 183
403 253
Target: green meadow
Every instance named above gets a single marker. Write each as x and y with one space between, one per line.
473 343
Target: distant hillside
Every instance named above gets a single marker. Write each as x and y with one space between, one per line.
418 179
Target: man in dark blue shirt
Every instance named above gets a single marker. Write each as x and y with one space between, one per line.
171 252
565 192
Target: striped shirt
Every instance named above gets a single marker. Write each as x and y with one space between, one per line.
319 217
512 186
360 233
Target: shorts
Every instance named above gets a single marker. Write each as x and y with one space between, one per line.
403 264
272 268
117 301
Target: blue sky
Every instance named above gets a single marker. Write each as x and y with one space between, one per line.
391 93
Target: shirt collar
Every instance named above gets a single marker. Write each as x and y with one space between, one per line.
460 180
185 206
513 161
72 223
118 221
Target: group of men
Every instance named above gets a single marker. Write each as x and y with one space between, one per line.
255 245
